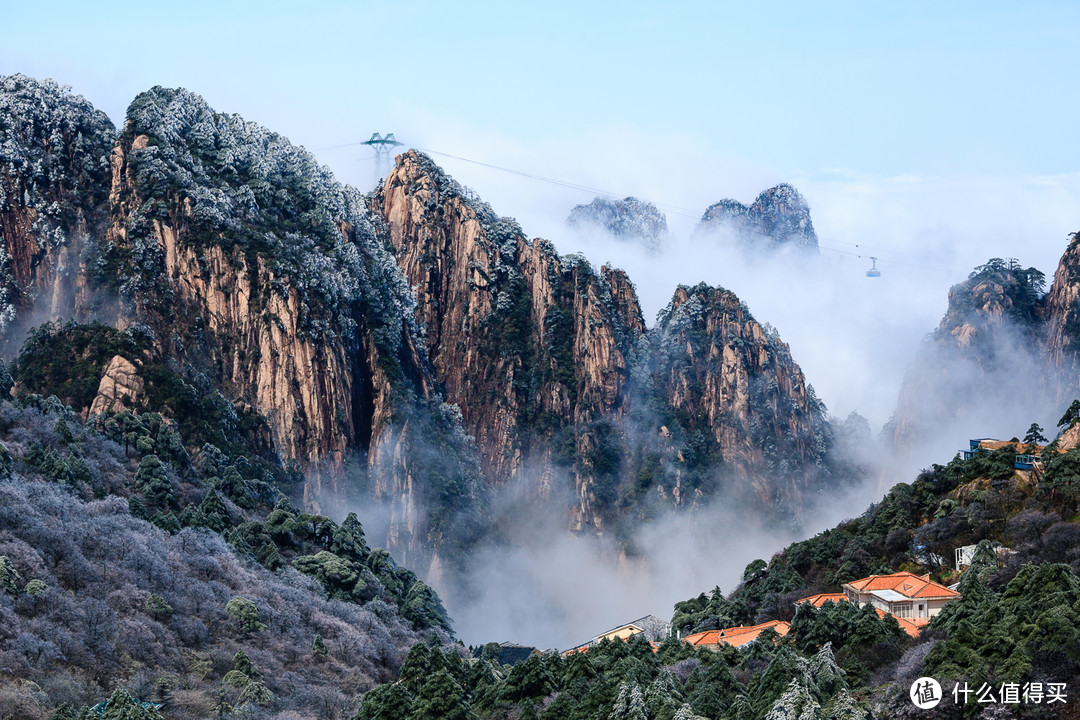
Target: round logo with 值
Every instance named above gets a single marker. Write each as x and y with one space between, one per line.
925 693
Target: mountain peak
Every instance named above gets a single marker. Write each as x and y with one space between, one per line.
626 219
779 214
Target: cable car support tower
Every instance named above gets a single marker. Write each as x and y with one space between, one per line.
383 145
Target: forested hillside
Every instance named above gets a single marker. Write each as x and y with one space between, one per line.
1015 622
128 561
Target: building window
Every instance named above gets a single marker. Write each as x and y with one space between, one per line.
902 610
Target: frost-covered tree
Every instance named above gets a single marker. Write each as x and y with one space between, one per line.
797 703
629 705
152 481
54 177
845 707
687 713
10 580
662 697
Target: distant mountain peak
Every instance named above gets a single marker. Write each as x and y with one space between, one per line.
626 219
779 214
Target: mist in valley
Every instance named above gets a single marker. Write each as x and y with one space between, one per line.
855 338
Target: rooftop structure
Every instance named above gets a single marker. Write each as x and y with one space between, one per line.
510 653
904 595
822 598
911 599
735 636
1028 455
653 628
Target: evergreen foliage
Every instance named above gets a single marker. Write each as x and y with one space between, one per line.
245 615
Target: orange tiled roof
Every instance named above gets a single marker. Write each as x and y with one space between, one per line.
822 598
911 627
736 636
741 636
578 649
708 637
905 583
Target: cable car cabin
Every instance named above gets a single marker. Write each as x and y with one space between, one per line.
873 271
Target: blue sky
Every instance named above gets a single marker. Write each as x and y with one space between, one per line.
888 88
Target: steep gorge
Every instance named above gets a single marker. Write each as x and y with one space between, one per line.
557 375
532 346
335 324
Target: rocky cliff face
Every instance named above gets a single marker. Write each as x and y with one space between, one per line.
555 372
247 313
256 291
54 151
532 346
255 271
723 375
626 219
986 359
778 216
1062 310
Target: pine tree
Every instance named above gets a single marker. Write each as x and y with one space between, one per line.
36 588
235 487
827 676
776 681
63 432
424 608
254 693
137 508
348 539
152 481
983 565
121 706
246 678
844 707
440 698
243 671
10 580
662 697
213 513
417 667
528 711
795 704
1071 415
318 647
158 608
529 679
64 712
385 702
687 713
629 705
742 709
245 614
1034 436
